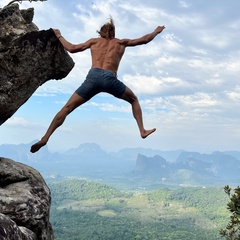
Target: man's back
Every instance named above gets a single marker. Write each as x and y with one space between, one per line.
106 50
106 53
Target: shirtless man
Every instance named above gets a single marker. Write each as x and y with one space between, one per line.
106 52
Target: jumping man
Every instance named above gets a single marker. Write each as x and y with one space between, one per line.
106 52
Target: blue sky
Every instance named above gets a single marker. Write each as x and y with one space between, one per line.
186 79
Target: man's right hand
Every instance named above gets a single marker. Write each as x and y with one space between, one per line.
57 32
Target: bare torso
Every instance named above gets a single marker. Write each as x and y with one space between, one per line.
107 53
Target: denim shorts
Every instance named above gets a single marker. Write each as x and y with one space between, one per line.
100 80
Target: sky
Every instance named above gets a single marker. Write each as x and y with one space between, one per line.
187 79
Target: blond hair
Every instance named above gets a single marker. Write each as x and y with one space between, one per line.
107 30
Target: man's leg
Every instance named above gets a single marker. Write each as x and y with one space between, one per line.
130 97
74 101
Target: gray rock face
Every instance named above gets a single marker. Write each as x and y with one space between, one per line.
28 58
10 230
25 202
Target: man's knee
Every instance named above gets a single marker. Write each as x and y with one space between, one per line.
66 110
132 99
129 96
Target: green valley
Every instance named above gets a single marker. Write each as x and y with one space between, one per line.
86 210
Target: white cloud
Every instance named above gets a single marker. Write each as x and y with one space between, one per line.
108 107
234 95
143 84
233 64
171 43
199 100
144 13
213 39
184 4
167 59
17 122
235 25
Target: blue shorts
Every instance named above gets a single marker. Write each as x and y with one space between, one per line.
100 80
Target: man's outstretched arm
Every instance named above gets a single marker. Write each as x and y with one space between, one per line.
72 48
144 39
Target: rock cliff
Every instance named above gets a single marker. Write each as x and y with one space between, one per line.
29 58
25 202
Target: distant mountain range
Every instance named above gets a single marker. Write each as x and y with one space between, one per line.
176 167
191 168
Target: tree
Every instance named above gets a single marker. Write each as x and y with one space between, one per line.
232 231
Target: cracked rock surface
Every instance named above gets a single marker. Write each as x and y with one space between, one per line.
25 202
28 57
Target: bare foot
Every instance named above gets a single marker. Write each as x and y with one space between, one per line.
147 132
35 147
